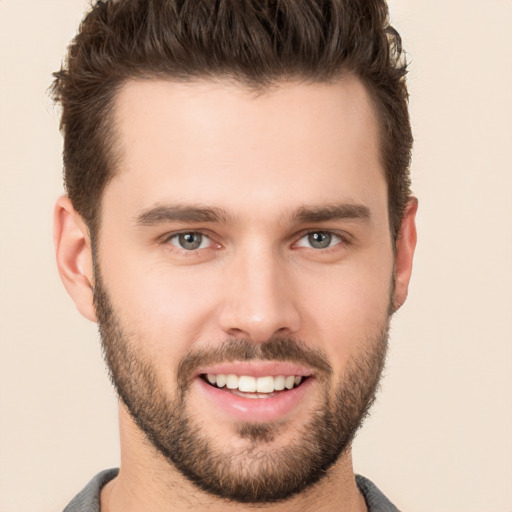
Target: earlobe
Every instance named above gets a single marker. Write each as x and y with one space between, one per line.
405 246
74 256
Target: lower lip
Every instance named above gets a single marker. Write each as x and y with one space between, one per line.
256 409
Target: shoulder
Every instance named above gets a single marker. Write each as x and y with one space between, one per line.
88 499
375 499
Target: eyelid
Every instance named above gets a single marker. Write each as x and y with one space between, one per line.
344 238
166 241
204 243
171 234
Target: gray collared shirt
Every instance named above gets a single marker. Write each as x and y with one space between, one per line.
88 500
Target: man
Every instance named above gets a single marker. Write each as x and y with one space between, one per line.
238 221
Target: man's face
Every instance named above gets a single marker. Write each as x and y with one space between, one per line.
246 239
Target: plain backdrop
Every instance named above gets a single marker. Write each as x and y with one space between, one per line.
440 436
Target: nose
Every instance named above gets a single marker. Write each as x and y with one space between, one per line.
258 297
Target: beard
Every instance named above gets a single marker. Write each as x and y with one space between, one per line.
259 472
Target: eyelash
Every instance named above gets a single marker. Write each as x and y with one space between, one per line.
182 250
343 240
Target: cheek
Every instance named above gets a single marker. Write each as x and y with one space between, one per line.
348 311
167 308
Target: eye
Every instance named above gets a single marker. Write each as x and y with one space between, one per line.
319 240
190 241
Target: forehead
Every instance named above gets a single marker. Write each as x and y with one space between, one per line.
221 145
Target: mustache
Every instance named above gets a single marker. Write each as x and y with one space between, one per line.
274 349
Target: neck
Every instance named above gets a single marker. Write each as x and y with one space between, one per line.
147 481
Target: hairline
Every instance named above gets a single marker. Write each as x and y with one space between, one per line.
113 151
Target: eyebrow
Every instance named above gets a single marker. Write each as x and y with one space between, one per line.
180 213
338 211
305 214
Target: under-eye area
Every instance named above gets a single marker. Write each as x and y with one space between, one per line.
254 387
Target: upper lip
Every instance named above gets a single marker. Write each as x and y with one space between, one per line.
256 369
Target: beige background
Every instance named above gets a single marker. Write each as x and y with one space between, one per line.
440 436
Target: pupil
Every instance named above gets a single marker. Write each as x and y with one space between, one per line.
190 240
320 240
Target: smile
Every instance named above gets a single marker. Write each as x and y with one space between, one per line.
255 391
253 387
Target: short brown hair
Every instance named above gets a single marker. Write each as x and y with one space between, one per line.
255 42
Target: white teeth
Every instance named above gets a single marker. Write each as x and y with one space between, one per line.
265 385
279 382
247 384
221 381
252 395
231 381
289 382
260 386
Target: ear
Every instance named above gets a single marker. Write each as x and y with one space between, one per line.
405 245
74 256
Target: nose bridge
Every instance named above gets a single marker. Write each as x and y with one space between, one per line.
258 297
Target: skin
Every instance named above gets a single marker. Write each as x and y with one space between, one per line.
260 159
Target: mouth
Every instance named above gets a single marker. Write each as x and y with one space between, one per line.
255 391
248 386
